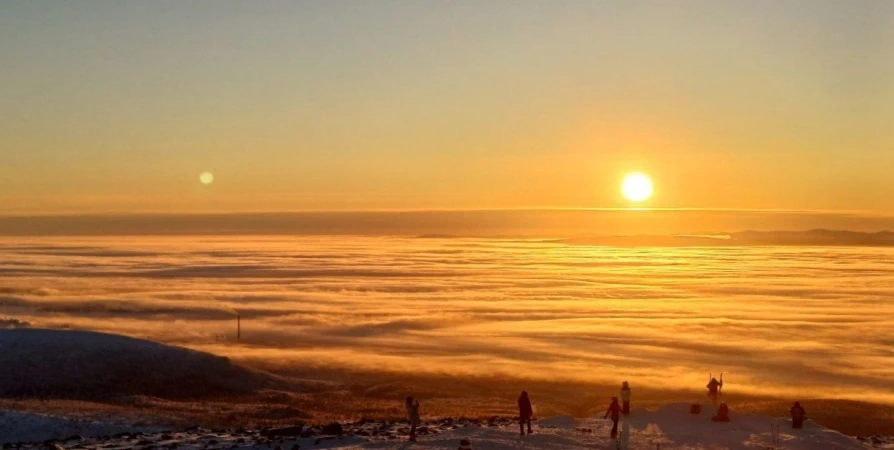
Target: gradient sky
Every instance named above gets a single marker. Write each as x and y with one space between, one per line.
120 105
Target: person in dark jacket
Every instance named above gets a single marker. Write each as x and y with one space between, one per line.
714 387
625 398
798 415
525 412
614 409
413 416
722 413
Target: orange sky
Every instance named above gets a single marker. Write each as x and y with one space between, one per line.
118 107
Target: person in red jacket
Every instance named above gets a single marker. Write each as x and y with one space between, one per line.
798 415
615 410
525 412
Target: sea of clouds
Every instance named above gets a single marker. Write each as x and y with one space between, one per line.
791 320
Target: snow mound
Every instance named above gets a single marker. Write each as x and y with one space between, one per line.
88 365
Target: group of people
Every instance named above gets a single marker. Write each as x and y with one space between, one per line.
715 388
619 406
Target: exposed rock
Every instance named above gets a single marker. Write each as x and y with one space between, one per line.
333 429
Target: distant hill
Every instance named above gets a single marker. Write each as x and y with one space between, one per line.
88 365
817 237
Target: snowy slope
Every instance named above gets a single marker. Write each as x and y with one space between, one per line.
671 426
83 364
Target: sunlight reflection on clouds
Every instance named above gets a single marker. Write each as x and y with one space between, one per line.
794 319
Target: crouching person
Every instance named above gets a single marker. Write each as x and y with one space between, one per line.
722 413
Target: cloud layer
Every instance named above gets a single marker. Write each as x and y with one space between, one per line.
776 320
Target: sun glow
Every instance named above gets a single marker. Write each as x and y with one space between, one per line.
637 187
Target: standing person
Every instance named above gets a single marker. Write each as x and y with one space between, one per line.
714 387
525 412
798 415
625 398
413 416
615 410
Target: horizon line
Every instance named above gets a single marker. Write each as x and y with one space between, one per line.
60 214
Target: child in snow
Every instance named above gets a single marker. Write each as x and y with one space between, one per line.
525 411
722 413
615 410
625 398
465 444
713 389
413 416
798 415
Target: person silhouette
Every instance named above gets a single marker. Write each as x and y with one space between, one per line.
714 387
722 413
413 416
525 412
614 408
798 415
625 398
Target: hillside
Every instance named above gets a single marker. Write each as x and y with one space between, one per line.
88 365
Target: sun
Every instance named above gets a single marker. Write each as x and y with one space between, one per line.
637 187
206 178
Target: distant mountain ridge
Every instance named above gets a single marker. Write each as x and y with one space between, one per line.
819 236
815 237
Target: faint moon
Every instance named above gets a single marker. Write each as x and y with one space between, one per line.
206 178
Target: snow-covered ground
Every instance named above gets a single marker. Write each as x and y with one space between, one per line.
670 427
30 427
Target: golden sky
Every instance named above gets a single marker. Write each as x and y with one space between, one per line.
110 106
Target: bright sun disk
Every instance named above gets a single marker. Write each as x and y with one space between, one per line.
637 187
